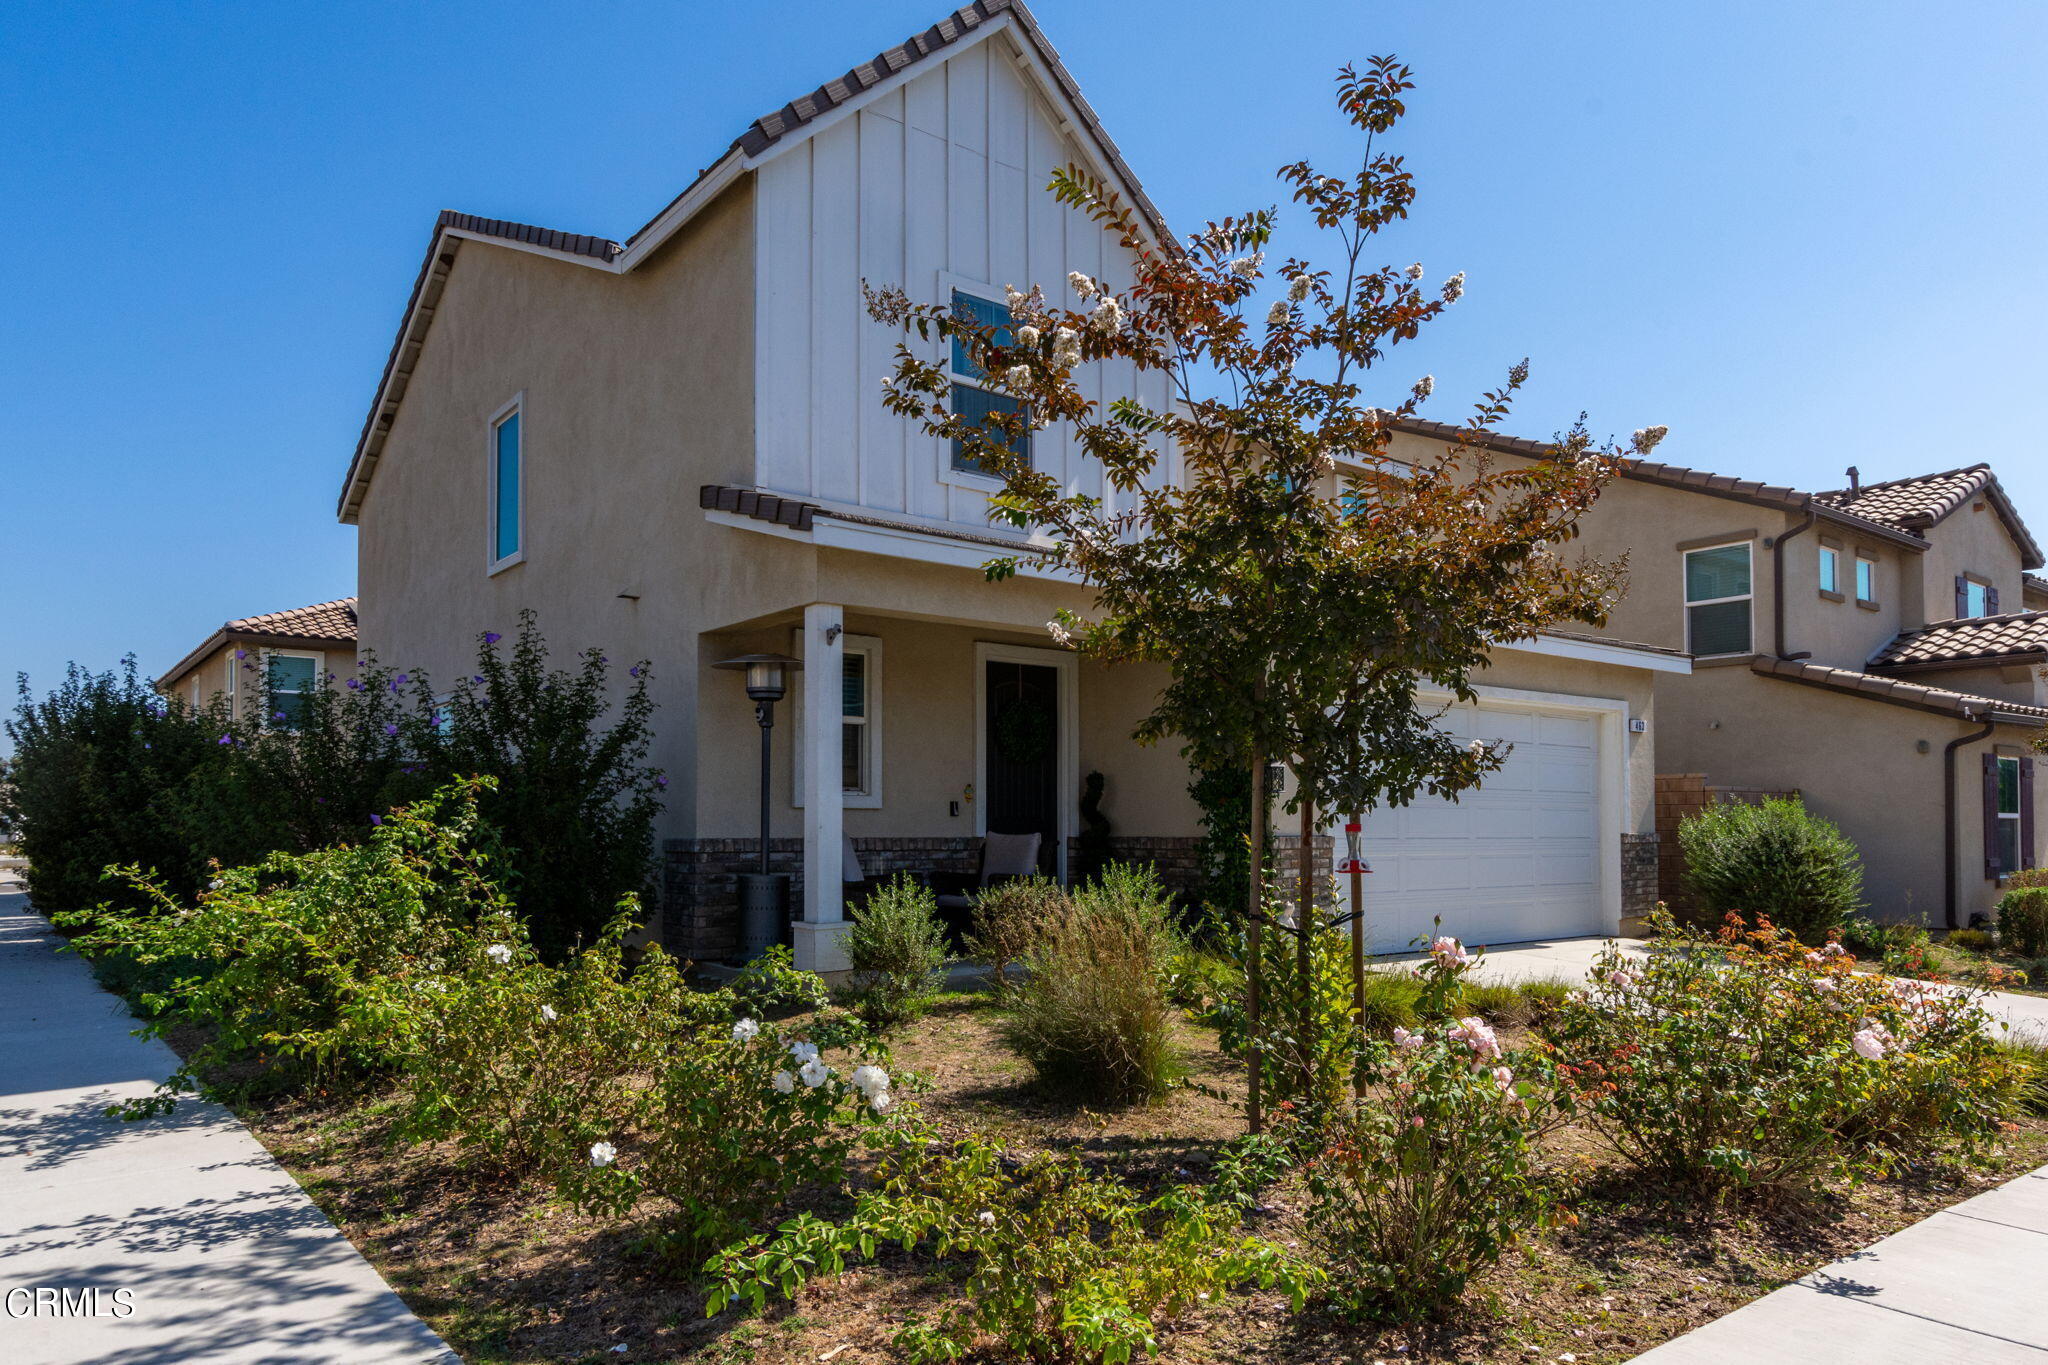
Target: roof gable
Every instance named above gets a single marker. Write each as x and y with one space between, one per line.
320 625
1924 500
765 138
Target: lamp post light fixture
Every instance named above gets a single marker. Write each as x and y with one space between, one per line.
764 896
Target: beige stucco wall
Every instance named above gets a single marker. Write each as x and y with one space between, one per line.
1855 761
638 389
211 673
1971 540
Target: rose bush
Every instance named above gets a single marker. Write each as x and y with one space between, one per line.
1431 1176
1749 1061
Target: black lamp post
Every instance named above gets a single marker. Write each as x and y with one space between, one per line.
764 896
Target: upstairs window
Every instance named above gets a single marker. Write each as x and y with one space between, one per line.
972 400
1975 598
292 680
508 477
1718 600
1830 569
1866 579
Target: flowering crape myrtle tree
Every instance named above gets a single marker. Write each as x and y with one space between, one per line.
1299 586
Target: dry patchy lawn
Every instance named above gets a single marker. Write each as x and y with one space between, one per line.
507 1275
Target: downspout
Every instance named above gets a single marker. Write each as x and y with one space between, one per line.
1778 581
1948 815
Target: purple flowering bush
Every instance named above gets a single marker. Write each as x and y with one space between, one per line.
1749 1061
1431 1175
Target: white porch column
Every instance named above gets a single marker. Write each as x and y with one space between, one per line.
821 933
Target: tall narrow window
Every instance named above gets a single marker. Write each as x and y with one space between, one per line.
853 724
507 479
292 679
234 670
1866 579
972 401
1830 569
1976 598
1718 600
2008 815
860 725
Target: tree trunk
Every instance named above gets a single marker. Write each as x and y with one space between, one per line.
1304 943
1255 937
1357 966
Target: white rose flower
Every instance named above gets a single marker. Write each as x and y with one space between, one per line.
880 1101
745 1031
868 1079
986 1218
548 1015
813 1073
803 1051
784 1082
603 1154
214 885
1027 336
498 953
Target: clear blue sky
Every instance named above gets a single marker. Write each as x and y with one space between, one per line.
1802 235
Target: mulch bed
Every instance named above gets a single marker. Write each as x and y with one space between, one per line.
507 1275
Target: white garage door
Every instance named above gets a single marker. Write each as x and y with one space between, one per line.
1518 858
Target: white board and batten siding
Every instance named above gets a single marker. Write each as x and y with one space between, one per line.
937 183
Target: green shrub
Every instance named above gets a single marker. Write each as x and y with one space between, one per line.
772 985
2023 921
1775 859
97 766
575 799
1751 1062
1006 923
734 1121
1516 1004
1424 1185
2029 1057
1059 1263
897 948
1091 1013
306 959
526 1065
1975 940
2026 877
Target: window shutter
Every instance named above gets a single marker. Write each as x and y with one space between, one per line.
1991 601
1962 597
2026 812
1992 871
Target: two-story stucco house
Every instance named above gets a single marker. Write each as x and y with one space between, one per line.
295 650
1857 646
673 445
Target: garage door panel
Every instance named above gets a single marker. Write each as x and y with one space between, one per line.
1518 858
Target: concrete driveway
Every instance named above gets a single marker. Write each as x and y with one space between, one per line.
169 1240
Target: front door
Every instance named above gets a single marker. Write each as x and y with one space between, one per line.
1022 742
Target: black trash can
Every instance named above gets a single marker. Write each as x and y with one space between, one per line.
764 909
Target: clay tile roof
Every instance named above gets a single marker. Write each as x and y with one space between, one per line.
1678 476
575 243
1919 502
335 621
1978 639
1898 692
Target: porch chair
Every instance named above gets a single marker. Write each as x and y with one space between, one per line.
1004 857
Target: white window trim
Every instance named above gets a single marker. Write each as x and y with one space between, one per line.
967 478
1830 556
497 419
1861 560
1066 665
319 668
1686 604
870 647
2016 814
230 689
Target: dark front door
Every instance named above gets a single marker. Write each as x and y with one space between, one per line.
1023 747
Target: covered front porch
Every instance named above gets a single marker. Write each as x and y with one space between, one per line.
940 731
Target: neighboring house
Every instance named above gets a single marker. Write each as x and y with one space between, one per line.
1858 646
298 648
673 446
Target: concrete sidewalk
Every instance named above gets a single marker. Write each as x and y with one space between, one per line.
1960 1286
221 1255
2026 1016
